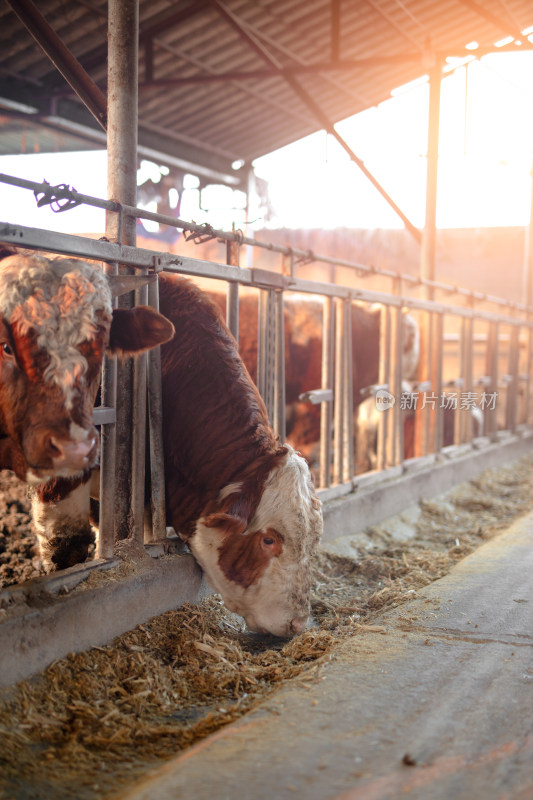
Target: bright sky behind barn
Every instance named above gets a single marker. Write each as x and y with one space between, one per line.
486 154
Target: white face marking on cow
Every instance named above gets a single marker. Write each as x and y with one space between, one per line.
280 593
59 300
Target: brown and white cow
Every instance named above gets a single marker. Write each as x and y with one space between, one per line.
56 321
245 504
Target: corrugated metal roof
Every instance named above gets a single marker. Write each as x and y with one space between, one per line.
230 80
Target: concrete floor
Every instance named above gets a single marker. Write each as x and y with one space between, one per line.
432 702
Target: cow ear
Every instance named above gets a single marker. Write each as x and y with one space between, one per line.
135 330
234 514
227 523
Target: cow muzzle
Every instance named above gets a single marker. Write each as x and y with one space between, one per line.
49 451
71 455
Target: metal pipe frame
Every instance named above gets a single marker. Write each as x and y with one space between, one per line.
339 393
289 252
347 401
326 410
123 29
272 286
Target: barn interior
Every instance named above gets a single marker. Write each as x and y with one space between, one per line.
204 89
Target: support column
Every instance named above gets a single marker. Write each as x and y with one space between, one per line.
123 35
427 265
423 433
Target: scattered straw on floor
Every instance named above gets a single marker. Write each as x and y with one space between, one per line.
96 720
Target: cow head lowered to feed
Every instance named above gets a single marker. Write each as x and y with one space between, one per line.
244 503
258 557
56 322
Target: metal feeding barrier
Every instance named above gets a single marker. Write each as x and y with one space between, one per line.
492 351
467 351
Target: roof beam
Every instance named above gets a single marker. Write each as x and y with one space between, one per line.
295 69
335 29
317 112
62 58
498 23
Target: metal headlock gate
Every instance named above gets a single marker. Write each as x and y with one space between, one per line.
502 342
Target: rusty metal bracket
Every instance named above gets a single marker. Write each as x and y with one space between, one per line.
59 198
199 236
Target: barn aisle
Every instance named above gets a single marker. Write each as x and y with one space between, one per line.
433 700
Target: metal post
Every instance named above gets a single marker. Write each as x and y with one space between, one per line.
232 297
437 380
427 264
279 367
106 523
266 350
512 388
326 410
396 386
384 420
467 347
338 450
123 32
155 428
348 438
491 415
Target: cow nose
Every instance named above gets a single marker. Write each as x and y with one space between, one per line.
298 624
68 454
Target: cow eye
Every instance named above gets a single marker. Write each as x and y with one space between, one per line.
8 351
268 541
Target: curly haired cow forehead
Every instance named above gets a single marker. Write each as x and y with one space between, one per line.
60 303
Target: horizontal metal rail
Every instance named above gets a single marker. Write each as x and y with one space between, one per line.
205 232
142 258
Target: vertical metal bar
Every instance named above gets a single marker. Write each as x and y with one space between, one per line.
106 537
423 409
279 367
232 309
528 382
438 380
467 346
397 389
326 409
427 264
261 342
458 427
155 428
338 450
384 421
266 378
232 296
348 438
138 437
511 407
123 30
430 368
491 418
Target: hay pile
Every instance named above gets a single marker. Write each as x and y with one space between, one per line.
99 719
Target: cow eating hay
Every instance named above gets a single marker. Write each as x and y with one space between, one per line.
56 321
244 503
